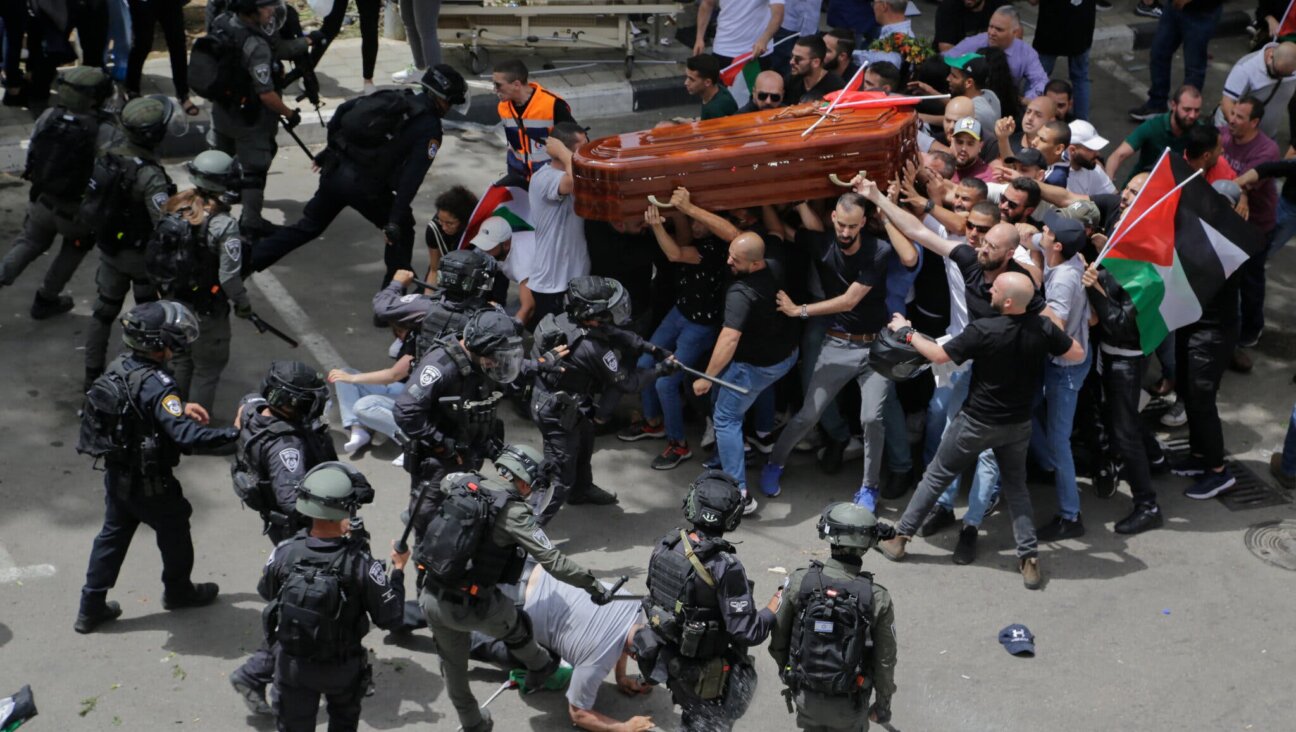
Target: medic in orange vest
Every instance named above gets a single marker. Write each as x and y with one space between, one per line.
529 112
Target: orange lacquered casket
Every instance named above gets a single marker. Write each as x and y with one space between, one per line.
743 160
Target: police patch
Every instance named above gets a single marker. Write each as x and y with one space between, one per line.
410 297
261 72
610 360
172 404
429 376
160 199
710 517
377 574
432 150
234 248
542 538
738 606
291 458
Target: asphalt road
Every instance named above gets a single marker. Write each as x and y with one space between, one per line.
1178 628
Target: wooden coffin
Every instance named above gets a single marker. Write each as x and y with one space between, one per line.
743 160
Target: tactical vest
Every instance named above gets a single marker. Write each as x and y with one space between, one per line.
61 155
116 427
444 320
560 330
682 606
457 553
318 614
831 644
527 132
251 481
182 266
117 219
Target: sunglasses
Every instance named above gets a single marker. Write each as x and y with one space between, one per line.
1009 203
983 228
768 97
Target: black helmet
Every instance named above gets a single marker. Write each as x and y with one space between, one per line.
466 273
714 501
492 337
598 298
443 82
849 527
332 490
294 386
895 359
154 326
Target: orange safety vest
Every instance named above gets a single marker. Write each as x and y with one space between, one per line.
526 133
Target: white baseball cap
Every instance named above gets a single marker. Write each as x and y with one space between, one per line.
493 232
1083 133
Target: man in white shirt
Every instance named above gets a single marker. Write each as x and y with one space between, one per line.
560 253
512 254
743 26
1087 176
1268 75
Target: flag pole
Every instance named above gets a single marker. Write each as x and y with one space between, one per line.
891 101
740 61
854 77
1116 240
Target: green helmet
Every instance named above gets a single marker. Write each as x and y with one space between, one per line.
213 171
519 461
848 526
331 491
147 120
83 88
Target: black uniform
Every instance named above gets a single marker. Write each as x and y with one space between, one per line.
562 402
379 183
140 487
720 623
336 669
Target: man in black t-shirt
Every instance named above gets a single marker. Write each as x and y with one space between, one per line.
851 269
756 347
808 81
1008 353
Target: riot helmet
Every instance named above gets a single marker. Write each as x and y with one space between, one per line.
849 527
332 490
525 463
149 120
448 85
155 326
295 387
492 338
253 7
714 501
598 298
466 273
84 88
216 174
895 359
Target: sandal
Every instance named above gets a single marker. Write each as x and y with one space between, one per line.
189 107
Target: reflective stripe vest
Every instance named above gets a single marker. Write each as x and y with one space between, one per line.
538 121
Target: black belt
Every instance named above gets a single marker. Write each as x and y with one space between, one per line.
853 337
455 597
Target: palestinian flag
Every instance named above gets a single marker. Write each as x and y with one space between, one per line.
1287 26
1175 247
506 198
740 77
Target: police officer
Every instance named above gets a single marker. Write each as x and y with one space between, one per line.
64 143
214 281
325 580
459 602
145 121
447 412
380 177
859 608
599 356
701 612
135 421
246 127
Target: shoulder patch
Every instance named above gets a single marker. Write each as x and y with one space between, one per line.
171 403
543 538
429 376
739 606
261 72
377 574
291 458
160 199
432 150
610 360
410 297
234 248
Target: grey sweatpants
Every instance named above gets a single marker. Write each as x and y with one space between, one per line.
839 362
420 19
42 225
959 448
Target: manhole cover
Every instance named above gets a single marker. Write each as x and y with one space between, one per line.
1274 542
1251 491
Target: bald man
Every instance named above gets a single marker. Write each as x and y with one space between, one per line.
1269 75
1008 352
767 93
756 347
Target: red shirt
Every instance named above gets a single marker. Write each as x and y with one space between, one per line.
978 169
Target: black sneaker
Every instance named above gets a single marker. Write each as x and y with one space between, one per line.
536 678
1160 466
763 445
1150 10
639 429
1146 110
87 622
996 500
252 696
1143 518
1189 467
965 550
43 307
939 519
674 454
1106 479
830 456
1060 528
202 595
592 495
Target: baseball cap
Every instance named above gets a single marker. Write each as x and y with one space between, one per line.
1229 190
1086 212
1028 156
961 62
493 232
1066 231
1083 133
968 125
1018 640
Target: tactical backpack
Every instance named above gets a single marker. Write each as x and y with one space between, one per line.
552 331
181 266
306 618
456 552
250 485
109 415
61 156
444 319
374 120
215 73
676 610
107 207
831 643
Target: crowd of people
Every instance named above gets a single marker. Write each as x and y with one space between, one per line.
963 298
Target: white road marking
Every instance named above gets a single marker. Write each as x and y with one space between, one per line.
1109 65
10 572
297 322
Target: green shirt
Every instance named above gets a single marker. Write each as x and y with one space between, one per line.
1152 138
721 105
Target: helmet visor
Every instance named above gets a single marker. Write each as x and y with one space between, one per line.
504 364
620 308
181 326
175 121
272 25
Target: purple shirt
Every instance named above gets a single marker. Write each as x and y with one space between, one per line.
1023 62
1262 198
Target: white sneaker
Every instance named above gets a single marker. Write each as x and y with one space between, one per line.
708 437
359 438
854 448
399 461
1176 417
410 75
810 443
749 505
1144 399
368 89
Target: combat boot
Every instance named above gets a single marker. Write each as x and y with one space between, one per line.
536 678
43 307
202 594
485 725
592 495
87 622
254 698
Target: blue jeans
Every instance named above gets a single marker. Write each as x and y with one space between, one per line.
348 394
1078 74
1289 446
1051 442
946 401
1191 30
691 343
812 341
119 35
731 407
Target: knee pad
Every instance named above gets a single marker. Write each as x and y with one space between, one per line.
521 634
106 311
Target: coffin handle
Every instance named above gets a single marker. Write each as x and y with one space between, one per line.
839 182
653 200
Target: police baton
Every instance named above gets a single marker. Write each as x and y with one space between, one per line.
264 327
293 134
402 544
612 596
713 379
510 684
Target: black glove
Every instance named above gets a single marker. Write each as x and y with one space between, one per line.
445 448
293 119
667 367
881 712
392 232
885 532
601 598
317 38
656 350
549 363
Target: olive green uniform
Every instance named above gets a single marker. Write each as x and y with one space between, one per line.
821 713
493 613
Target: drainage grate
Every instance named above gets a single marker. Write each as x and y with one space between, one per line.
1274 542
1250 492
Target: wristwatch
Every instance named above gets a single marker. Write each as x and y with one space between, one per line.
928 208
804 314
